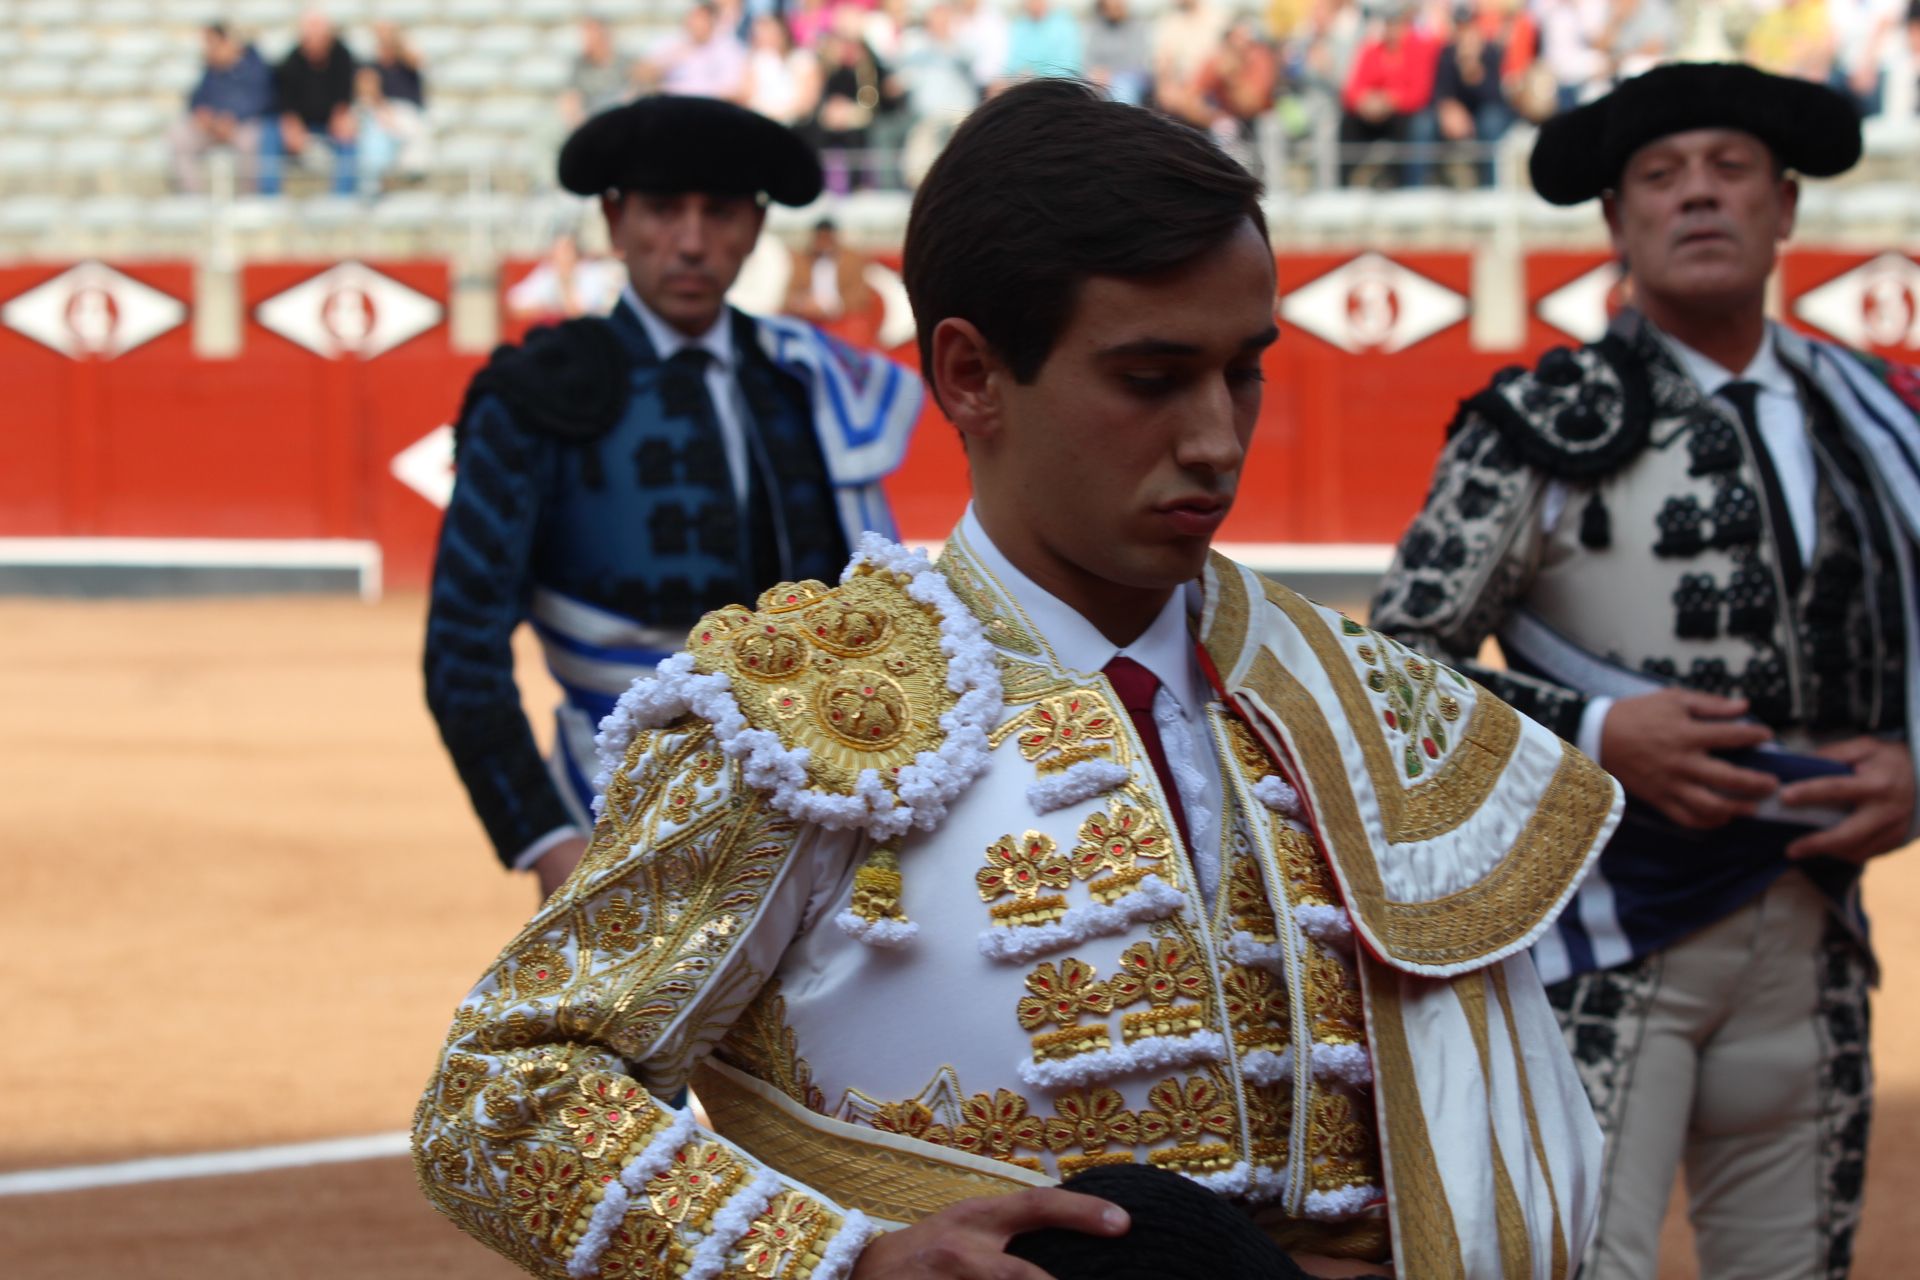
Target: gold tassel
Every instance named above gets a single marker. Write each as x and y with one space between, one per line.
876 887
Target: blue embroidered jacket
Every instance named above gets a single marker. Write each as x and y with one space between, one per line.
613 543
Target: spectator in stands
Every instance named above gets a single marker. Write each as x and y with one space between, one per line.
884 26
860 118
1237 87
1470 104
401 78
1793 40
1119 58
231 108
1642 34
390 135
314 89
982 27
1042 41
783 83
567 283
699 61
601 78
1862 38
829 288
809 20
1388 98
1573 42
935 70
1319 58
1184 37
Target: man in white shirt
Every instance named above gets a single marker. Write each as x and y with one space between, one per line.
1086 855
619 476
1694 541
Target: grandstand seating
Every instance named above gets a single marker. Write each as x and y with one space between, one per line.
89 88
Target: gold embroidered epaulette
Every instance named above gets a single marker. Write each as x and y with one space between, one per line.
864 706
851 674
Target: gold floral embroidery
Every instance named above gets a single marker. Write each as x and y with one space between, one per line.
1247 901
540 970
448 1161
607 1112
1062 995
640 1249
996 1126
1061 731
1333 998
1115 839
908 1119
617 925
1308 878
1159 972
543 1189
1252 996
1188 1110
1270 1121
465 1023
460 1078
1091 1119
1022 867
786 1229
762 1044
846 630
692 1187
1343 1149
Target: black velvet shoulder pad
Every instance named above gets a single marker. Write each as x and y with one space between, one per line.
1579 414
567 380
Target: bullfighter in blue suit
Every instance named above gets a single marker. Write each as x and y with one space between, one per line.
617 478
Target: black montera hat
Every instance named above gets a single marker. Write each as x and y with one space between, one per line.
1180 1231
1810 128
668 143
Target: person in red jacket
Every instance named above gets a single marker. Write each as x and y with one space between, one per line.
1388 97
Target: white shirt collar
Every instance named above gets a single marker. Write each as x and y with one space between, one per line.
667 340
1764 369
1164 648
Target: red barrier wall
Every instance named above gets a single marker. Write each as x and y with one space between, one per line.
114 427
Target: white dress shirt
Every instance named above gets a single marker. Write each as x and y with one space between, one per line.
1166 648
1782 422
722 384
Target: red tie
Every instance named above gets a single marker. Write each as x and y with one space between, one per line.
1136 686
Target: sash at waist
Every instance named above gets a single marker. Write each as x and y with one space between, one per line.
901 1180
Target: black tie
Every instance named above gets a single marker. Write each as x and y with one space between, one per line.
759 516
1744 396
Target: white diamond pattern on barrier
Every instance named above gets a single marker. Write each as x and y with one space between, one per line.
426 466
1372 303
1582 307
349 310
92 310
1877 304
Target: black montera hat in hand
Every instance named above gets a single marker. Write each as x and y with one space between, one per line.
667 144
1810 128
1180 1231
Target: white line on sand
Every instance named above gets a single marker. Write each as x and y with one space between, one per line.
203 1165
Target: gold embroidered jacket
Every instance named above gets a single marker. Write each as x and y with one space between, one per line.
902 899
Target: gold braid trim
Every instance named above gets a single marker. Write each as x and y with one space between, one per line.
888 1175
1426 1241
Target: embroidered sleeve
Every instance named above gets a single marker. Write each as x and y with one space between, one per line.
1468 556
547 1132
480 579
